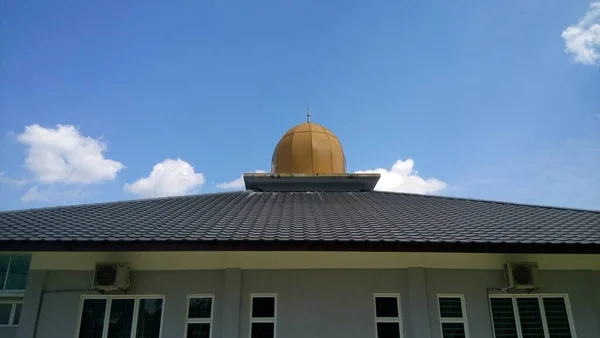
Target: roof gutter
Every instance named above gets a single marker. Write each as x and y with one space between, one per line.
332 246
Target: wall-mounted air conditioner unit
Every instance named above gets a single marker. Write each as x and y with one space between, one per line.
111 276
520 275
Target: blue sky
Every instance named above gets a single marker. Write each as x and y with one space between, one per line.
484 99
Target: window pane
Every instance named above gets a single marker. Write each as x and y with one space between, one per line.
531 318
262 330
556 317
503 318
453 330
198 330
386 307
17 274
263 307
149 316
5 309
3 269
388 330
92 318
17 317
450 308
199 308
121 318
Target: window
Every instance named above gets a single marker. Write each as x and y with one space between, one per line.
388 322
10 313
199 316
13 272
531 316
121 317
263 316
453 317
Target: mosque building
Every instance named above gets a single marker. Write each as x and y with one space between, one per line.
307 250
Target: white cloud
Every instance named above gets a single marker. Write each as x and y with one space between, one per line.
55 195
238 183
63 155
33 194
583 39
403 178
12 181
168 178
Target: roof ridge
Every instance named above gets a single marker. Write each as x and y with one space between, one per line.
83 205
135 200
487 201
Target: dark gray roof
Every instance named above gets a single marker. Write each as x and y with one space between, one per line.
284 220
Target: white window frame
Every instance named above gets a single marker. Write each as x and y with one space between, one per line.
136 307
263 319
540 297
199 320
13 310
3 289
463 309
388 319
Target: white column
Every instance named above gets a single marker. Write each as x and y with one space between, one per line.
230 319
31 304
596 294
418 309
174 313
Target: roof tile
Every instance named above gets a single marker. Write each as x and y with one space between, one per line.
326 216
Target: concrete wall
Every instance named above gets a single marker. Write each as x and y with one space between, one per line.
64 306
8 332
595 285
317 303
474 284
321 303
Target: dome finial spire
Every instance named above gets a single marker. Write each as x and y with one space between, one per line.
308 112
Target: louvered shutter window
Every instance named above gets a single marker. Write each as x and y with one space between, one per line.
557 318
452 316
503 316
530 317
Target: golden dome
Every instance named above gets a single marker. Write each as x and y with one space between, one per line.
308 148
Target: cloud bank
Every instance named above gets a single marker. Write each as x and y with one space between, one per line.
237 184
63 155
402 177
583 38
168 178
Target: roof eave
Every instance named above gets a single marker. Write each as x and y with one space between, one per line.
270 182
340 246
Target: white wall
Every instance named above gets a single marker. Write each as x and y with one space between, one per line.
474 284
317 302
321 303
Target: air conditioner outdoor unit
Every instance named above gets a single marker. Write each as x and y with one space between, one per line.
111 276
520 275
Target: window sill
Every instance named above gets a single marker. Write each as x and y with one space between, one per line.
12 294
